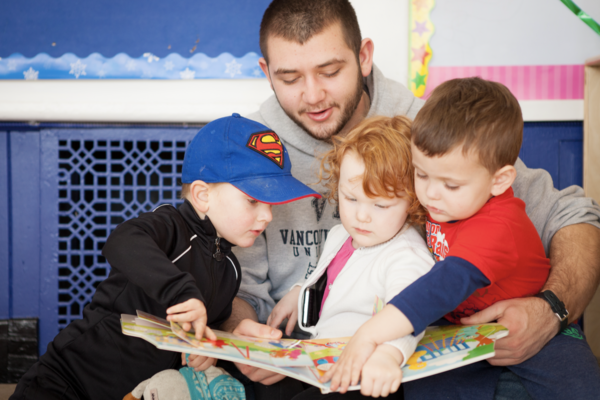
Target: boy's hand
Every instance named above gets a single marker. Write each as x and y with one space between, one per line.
382 375
199 363
191 313
287 307
346 371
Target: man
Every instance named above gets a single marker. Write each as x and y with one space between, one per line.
324 82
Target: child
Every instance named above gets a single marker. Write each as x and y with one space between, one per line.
375 252
465 141
172 262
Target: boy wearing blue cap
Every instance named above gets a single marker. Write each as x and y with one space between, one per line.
172 262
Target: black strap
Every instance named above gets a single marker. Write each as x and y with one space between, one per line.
557 306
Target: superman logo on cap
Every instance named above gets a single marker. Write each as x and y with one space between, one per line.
269 145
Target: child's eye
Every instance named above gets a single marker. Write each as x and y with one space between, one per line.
449 187
420 176
381 206
349 198
252 201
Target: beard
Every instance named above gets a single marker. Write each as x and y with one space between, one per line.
347 108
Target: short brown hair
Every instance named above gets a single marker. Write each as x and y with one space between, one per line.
480 115
383 143
300 20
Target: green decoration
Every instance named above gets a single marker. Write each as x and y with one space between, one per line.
582 15
574 333
419 80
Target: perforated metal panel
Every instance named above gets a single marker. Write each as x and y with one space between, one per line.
103 181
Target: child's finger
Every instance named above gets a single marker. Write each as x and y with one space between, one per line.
396 384
291 323
209 334
328 376
182 307
275 318
199 327
183 362
355 373
205 364
366 387
185 316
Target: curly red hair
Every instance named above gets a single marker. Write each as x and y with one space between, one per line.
383 143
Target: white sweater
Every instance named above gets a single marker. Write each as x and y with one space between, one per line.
371 273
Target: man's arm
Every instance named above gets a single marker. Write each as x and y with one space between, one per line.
575 272
574 277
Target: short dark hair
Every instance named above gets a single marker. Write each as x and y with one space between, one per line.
300 20
480 115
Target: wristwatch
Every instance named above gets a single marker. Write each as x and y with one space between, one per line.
557 306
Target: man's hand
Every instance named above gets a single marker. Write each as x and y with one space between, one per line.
251 328
530 322
287 307
199 363
382 375
191 313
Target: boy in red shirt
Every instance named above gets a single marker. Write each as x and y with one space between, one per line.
465 141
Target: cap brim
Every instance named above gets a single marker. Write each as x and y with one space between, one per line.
275 190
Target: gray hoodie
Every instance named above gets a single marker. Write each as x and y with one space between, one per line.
291 245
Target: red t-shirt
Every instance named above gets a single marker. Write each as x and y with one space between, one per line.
502 242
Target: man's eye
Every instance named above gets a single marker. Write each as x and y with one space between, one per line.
252 201
331 74
289 81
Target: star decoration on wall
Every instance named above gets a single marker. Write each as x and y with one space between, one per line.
419 54
420 27
233 68
419 80
169 66
78 69
187 74
31 74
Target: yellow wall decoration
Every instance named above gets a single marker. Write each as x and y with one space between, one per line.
421 30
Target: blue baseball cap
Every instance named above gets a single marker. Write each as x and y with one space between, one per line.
247 155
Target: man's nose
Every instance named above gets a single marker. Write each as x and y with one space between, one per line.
314 93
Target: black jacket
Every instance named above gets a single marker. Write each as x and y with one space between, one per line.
159 259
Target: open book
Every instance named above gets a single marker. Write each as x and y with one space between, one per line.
442 348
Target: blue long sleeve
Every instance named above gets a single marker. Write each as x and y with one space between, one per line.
440 291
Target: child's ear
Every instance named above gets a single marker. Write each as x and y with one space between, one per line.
199 195
503 179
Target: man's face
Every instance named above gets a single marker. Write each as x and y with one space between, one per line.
318 84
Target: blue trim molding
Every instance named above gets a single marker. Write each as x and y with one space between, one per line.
122 66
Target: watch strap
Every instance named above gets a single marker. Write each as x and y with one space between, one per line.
557 306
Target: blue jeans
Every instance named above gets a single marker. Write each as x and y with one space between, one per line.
564 368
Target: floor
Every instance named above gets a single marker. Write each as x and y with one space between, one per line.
6 390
